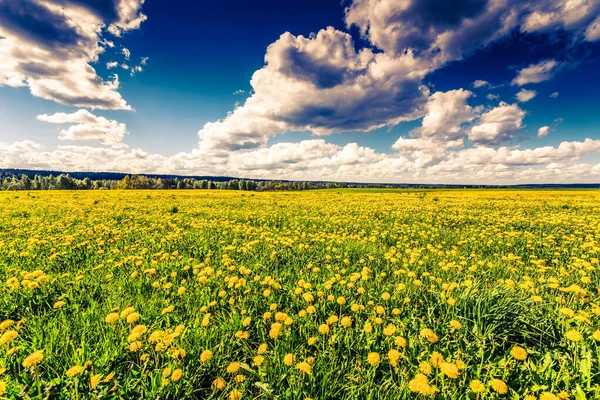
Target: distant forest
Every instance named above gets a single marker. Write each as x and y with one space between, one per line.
23 179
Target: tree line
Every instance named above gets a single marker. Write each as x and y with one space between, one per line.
67 182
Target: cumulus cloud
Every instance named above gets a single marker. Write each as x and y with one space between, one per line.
318 160
497 125
445 114
574 15
321 84
592 33
536 73
525 95
543 131
88 127
50 45
447 30
480 83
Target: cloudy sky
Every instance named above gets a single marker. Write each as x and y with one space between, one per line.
469 91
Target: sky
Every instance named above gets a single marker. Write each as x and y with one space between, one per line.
411 91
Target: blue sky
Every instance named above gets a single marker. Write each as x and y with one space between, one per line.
358 91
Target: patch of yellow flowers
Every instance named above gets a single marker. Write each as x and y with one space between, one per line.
346 294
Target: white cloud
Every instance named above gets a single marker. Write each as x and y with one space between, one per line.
88 127
497 125
321 84
573 15
319 160
480 83
111 64
491 96
536 73
525 95
445 113
126 53
592 33
50 45
554 95
543 131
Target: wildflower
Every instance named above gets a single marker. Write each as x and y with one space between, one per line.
456 325
135 346
346 322
242 335
233 367
477 386
33 359
235 395
288 359
596 335
429 335
449 369
205 356
8 336
218 384
74 371
304 367
133 317
258 360
373 359
112 317
176 375
519 353
393 357
126 312
262 349
59 304
95 381
548 396
436 359
6 324
499 386
573 336
2 388
167 310
425 367
323 329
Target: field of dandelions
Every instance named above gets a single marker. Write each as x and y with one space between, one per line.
351 294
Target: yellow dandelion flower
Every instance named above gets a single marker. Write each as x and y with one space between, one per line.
262 349
233 367
176 375
373 359
477 386
59 304
519 353
573 335
218 384
499 386
393 357
449 369
74 371
288 359
95 381
33 359
8 336
206 355
112 317
304 367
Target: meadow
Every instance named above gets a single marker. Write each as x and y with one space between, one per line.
332 294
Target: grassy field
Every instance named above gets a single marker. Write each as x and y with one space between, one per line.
324 295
